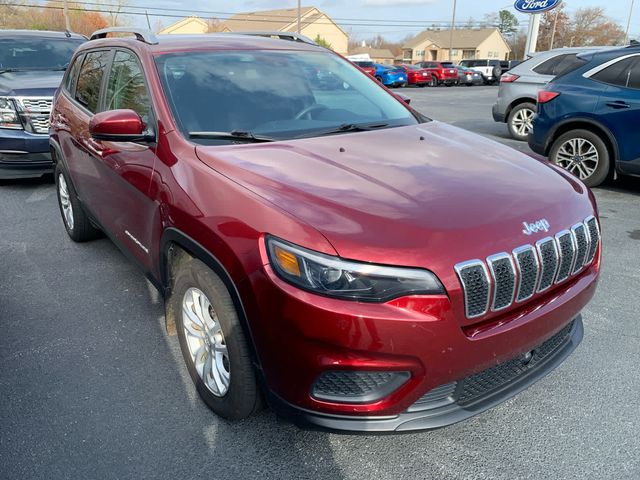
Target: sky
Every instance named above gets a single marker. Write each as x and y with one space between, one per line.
372 13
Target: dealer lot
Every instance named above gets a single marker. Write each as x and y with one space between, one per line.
91 387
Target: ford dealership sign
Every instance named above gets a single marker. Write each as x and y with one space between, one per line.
535 6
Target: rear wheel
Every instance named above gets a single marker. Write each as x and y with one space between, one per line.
520 120
212 340
379 78
76 221
433 82
582 153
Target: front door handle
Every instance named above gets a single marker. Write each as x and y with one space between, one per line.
618 104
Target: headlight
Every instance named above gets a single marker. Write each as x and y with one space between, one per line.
331 276
9 115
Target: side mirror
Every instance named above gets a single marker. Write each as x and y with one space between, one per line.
403 98
118 126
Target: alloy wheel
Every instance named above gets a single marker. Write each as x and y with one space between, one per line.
206 342
522 121
578 156
65 201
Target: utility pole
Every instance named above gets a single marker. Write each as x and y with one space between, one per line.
626 34
553 34
65 12
453 26
298 17
146 14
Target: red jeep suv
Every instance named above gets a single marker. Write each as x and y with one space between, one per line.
320 244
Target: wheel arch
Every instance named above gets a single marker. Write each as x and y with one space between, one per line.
585 124
175 243
515 103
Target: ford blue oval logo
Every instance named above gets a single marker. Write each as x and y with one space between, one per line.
535 6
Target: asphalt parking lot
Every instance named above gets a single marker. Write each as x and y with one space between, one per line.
91 387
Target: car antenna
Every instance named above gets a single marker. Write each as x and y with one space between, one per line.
67 33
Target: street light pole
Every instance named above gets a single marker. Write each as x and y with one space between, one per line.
626 33
453 23
298 17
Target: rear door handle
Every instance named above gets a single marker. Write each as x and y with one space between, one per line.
618 104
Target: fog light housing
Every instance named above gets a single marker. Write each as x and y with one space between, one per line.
350 386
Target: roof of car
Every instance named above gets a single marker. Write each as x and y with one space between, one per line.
208 41
40 33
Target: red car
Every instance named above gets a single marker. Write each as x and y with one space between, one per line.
367 67
420 77
443 73
328 249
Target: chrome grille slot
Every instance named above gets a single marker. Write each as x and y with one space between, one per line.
548 253
475 284
528 271
40 123
582 245
36 104
567 249
503 274
594 238
35 113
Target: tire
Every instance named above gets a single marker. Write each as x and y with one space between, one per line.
519 120
497 73
75 219
594 165
433 82
379 78
229 387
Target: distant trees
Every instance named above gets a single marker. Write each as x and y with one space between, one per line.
322 42
50 17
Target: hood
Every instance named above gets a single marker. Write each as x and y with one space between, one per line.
428 195
35 83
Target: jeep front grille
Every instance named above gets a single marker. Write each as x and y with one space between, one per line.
519 275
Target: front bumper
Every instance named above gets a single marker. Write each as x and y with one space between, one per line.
456 401
24 154
299 336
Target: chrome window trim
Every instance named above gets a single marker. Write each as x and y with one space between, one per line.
613 61
539 244
459 267
490 261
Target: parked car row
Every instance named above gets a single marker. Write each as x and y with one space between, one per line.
276 198
578 106
422 74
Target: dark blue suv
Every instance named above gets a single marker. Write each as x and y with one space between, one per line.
588 120
31 67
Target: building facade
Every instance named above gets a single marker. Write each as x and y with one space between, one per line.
469 43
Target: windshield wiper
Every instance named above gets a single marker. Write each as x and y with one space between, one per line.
232 135
345 128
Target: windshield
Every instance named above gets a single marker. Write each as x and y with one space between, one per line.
275 94
36 53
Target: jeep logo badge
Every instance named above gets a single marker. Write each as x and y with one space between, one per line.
538 226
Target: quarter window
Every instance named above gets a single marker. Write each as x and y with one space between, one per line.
559 65
624 73
90 79
126 87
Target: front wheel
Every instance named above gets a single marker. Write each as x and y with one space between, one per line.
520 120
212 340
379 78
582 153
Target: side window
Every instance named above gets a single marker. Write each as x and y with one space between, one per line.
90 79
72 75
126 87
559 65
619 74
634 77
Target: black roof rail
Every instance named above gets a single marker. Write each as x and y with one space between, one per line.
143 35
292 36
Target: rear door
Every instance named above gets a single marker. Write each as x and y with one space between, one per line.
619 106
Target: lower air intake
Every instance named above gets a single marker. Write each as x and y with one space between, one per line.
357 386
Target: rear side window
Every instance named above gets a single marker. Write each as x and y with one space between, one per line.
72 76
126 87
90 79
559 65
625 73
